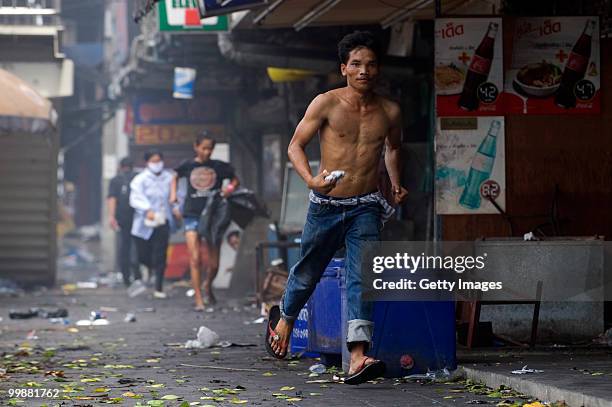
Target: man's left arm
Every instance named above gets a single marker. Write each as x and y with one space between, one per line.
393 144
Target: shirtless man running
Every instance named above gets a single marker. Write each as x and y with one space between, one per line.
354 124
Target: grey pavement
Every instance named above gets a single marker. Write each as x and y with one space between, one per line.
108 364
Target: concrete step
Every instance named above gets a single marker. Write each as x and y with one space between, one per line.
557 385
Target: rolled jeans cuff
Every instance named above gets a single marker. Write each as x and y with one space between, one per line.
284 316
359 330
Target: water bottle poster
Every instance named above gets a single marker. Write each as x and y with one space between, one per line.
555 66
469 70
470 165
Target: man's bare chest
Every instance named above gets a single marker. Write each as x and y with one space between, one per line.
358 126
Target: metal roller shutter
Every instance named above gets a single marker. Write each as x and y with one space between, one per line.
28 209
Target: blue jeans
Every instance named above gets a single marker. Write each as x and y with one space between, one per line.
328 228
191 223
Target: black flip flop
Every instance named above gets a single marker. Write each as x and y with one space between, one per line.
274 317
366 372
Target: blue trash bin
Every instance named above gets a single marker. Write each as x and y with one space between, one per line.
425 330
324 308
300 336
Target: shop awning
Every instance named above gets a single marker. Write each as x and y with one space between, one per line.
305 13
21 107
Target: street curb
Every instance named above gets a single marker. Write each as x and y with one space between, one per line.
542 391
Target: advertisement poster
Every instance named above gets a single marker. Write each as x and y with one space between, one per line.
470 165
469 67
555 67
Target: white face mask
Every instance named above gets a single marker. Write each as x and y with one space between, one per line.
156 167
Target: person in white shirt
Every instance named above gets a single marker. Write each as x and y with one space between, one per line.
150 198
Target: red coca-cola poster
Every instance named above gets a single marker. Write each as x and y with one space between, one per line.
555 67
469 67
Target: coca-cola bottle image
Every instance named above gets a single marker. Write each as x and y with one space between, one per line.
478 71
481 168
575 68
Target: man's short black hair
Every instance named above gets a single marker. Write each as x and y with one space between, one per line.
358 39
205 135
126 162
152 152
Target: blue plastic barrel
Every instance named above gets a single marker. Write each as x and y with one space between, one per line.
324 309
422 330
300 336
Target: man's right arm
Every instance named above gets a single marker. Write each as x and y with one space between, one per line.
111 204
179 172
173 187
313 120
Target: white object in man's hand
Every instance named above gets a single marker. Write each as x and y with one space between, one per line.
335 176
320 184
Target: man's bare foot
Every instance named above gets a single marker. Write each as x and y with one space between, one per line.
283 331
357 363
358 357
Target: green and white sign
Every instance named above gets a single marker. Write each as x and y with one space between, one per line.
184 16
